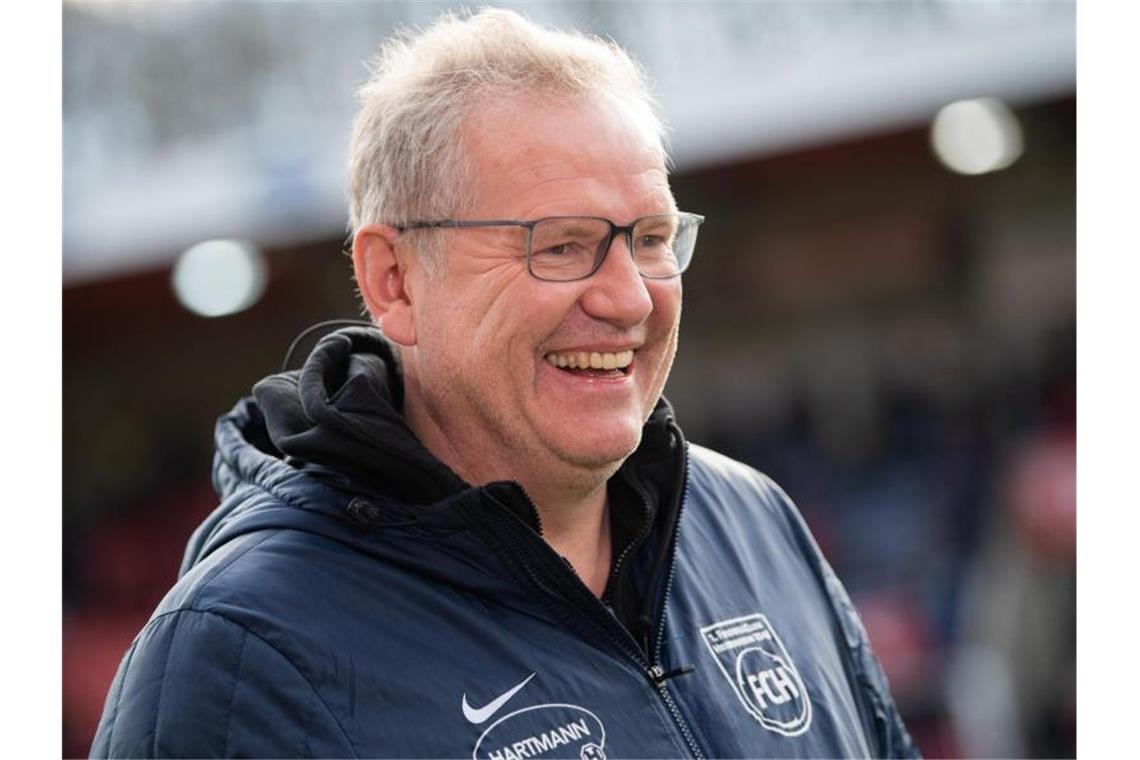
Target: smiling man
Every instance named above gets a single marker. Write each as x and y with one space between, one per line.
478 530
536 350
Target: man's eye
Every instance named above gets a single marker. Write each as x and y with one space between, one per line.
561 249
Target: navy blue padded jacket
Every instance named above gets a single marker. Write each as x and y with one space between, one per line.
352 597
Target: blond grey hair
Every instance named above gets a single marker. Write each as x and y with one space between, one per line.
407 158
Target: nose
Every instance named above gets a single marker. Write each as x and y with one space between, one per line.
617 292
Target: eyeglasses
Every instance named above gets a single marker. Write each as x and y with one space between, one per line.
566 248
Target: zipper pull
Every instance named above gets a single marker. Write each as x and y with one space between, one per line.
658 675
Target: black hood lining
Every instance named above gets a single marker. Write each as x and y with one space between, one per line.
339 417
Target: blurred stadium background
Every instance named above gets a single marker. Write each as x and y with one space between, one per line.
881 314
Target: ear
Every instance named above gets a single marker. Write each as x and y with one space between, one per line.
382 276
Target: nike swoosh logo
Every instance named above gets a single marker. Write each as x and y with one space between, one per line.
492 707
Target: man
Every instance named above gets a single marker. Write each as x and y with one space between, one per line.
482 534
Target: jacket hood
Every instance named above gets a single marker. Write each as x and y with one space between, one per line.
341 419
328 443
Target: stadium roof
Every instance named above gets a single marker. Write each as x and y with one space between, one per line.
189 121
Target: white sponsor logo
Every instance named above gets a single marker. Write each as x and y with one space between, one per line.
492 707
539 731
754 660
549 731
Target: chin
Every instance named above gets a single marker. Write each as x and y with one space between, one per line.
606 451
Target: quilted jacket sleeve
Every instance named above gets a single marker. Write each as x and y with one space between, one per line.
196 684
889 731
885 726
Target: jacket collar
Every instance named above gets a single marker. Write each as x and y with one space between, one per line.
340 420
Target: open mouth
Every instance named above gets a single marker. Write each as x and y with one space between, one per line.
592 364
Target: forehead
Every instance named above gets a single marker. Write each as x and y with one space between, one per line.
564 154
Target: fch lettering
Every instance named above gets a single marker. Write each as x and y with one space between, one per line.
774 686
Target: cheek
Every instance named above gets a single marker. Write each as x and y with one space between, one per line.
666 318
666 296
521 318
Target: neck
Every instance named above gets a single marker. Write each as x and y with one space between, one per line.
579 530
571 502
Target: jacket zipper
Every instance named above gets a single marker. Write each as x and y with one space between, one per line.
615 571
625 552
658 676
656 672
672 567
603 620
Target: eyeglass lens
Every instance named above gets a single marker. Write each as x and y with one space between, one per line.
570 248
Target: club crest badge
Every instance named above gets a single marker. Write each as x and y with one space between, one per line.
757 665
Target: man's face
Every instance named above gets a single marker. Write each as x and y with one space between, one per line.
487 331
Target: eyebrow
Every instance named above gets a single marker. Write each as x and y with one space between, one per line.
570 226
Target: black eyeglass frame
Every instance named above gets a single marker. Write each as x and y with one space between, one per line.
600 255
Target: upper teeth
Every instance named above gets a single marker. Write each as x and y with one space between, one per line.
595 360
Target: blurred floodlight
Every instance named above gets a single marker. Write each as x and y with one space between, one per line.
219 277
976 136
